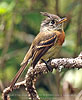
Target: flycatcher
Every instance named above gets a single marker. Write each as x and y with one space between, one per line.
46 44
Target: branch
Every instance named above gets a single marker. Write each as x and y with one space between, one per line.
39 69
8 90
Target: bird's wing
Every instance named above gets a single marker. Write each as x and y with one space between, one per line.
42 47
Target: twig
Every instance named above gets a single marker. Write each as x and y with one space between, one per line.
39 69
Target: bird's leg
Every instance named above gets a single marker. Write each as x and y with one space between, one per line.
49 60
47 65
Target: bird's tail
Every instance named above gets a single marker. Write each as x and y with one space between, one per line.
23 66
18 74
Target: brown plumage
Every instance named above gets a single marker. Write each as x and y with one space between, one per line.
46 44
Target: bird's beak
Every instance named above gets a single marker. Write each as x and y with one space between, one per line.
62 20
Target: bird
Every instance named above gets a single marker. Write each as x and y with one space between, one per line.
46 44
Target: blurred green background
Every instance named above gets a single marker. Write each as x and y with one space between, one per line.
19 23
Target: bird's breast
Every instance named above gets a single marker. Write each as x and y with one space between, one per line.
61 38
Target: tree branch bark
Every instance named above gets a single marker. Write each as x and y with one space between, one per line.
32 74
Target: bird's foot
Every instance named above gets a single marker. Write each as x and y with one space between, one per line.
47 65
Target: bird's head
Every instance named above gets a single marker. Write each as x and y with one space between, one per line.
52 22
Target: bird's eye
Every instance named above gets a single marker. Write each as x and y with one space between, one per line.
52 22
